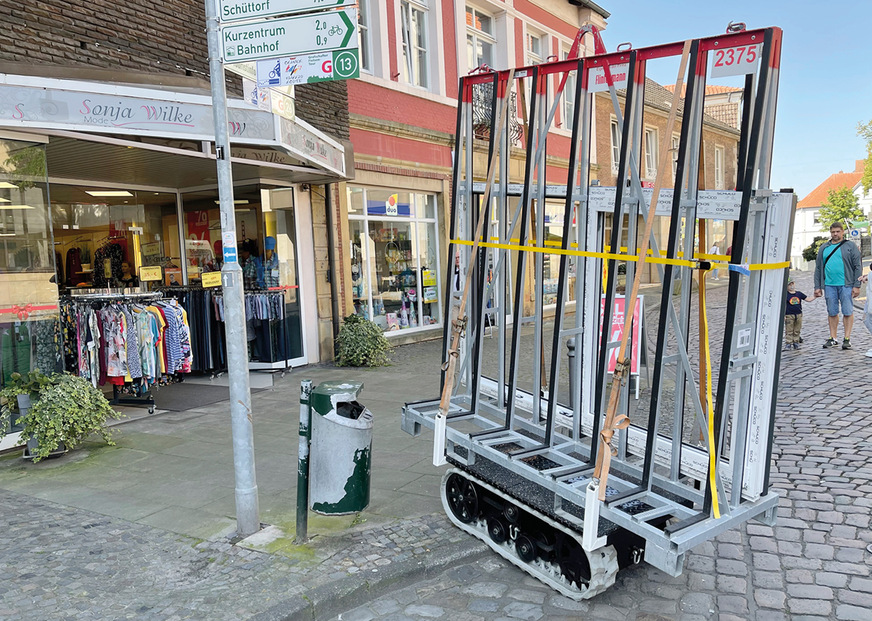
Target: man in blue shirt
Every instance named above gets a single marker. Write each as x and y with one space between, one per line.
837 277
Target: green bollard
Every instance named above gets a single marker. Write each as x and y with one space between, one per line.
303 464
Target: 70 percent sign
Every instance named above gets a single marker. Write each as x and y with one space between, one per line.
290 36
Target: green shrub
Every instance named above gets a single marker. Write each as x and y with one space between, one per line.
361 343
65 409
810 253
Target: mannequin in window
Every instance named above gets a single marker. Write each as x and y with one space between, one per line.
127 278
270 263
252 267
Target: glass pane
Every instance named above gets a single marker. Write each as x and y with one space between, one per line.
431 278
29 331
395 273
202 227
362 247
426 205
280 272
485 23
471 60
486 53
390 204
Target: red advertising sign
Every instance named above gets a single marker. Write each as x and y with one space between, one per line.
618 331
198 225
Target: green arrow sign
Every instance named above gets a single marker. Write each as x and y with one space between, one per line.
236 10
290 36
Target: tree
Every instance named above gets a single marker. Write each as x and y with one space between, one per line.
840 206
865 131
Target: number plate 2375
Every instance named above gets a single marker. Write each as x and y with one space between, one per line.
735 61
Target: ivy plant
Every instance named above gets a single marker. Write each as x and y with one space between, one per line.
66 409
361 343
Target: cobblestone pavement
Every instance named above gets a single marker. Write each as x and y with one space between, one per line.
67 563
813 565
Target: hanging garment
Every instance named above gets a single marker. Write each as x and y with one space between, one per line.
15 349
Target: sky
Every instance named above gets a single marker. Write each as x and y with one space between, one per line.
825 86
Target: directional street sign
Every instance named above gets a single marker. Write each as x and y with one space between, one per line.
235 10
290 36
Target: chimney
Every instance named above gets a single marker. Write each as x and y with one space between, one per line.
860 165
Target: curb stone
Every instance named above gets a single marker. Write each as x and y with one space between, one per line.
327 600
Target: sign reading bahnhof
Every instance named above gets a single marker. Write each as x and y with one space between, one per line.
235 10
290 36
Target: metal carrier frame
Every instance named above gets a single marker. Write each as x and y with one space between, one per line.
669 479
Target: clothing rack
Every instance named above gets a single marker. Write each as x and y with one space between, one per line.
147 399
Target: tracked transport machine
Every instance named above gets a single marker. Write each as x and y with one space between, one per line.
574 450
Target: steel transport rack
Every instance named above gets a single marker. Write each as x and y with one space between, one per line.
561 471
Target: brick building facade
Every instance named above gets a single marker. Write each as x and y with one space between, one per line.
71 72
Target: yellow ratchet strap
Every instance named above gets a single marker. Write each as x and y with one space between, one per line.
711 413
619 256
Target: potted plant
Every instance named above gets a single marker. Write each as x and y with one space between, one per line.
64 410
361 343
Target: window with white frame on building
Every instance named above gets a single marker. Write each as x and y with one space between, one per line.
535 48
568 96
480 39
363 21
719 168
413 24
616 144
676 141
650 153
395 276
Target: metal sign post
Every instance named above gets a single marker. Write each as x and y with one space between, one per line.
247 511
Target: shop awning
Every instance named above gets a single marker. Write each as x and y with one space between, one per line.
145 135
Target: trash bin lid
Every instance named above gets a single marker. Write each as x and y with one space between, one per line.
326 395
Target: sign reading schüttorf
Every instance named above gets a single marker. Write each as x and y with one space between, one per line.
318 32
235 10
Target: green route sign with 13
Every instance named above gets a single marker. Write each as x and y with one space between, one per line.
236 10
308 68
290 36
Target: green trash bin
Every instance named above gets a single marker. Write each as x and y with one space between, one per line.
340 460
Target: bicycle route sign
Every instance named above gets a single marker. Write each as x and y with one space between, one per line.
308 68
237 10
290 36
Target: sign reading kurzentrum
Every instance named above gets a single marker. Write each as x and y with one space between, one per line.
290 36
236 10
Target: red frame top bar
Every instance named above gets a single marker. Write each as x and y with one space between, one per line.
726 40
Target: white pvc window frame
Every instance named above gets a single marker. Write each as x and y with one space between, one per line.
365 218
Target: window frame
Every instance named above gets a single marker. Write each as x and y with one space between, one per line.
417 222
652 146
719 166
364 26
676 143
615 141
476 34
410 65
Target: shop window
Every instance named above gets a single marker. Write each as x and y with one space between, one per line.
480 39
106 236
413 18
29 328
395 274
